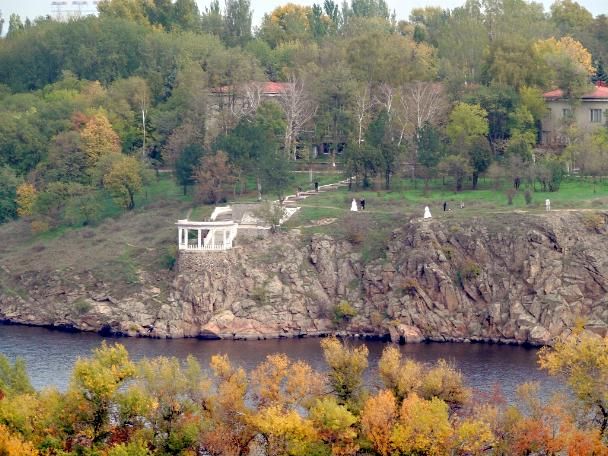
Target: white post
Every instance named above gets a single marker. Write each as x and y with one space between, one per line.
179 237
199 238
186 238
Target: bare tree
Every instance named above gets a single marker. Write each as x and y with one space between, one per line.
248 101
363 106
299 109
420 103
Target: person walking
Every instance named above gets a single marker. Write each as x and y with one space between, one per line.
353 206
316 186
547 204
445 206
362 203
427 213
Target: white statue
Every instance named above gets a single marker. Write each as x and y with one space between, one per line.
547 204
427 212
353 206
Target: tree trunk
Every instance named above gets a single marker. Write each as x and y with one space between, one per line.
475 180
259 185
387 179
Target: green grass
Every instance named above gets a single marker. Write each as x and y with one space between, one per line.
408 199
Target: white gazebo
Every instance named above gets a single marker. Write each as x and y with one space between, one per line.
206 236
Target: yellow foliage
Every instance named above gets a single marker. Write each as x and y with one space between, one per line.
98 138
401 377
377 420
567 46
13 445
287 432
473 437
423 427
582 359
292 12
124 180
346 368
26 197
280 381
334 423
446 383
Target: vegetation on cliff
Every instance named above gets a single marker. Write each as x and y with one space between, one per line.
116 406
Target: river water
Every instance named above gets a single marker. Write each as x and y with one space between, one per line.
50 355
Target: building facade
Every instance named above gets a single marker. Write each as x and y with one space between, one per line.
588 113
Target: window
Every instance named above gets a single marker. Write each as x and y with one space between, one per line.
566 113
596 115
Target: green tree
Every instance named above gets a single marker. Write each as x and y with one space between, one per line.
458 166
9 183
186 164
124 179
237 22
13 377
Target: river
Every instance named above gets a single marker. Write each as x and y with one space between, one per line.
50 355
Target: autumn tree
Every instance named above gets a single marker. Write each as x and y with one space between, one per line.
124 179
97 381
346 365
26 197
212 176
378 418
423 427
582 359
98 138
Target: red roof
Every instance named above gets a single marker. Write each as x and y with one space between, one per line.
268 88
600 92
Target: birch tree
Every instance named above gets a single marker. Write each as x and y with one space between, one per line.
299 109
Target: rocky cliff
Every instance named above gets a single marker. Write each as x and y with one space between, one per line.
514 278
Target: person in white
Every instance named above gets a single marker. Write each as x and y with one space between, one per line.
547 204
427 212
353 206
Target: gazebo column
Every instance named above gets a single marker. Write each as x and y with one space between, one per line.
186 238
199 238
179 237
225 232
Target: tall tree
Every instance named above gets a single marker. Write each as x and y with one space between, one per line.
98 138
299 109
237 22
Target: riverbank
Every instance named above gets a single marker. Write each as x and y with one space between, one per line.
511 278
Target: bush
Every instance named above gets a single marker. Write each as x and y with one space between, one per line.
510 195
528 197
410 286
594 222
169 257
344 312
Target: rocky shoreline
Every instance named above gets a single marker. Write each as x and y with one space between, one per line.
516 279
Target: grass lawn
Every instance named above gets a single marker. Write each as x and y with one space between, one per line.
409 199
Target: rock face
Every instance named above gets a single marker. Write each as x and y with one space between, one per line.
511 278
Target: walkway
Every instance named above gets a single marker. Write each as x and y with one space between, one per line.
292 200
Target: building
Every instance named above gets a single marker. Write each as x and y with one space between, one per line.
590 112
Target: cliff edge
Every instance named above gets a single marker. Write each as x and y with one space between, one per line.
515 278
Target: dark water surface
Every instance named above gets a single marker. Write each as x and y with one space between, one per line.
50 355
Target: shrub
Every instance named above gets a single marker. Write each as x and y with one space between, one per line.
82 306
510 195
410 286
528 197
169 257
594 222
344 312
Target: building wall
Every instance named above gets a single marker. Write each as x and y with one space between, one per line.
554 122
